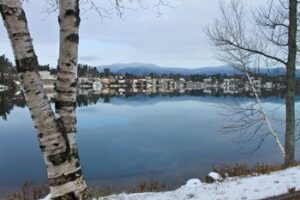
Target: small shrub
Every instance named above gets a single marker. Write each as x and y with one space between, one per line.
246 170
292 190
143 186
30 192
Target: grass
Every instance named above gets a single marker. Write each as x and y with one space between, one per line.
150 186
30 191
246 170
34 192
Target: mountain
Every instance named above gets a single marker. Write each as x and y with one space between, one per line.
146 69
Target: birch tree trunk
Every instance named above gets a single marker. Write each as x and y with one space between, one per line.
265 115
66 84
63 168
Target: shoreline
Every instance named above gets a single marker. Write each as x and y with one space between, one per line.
226 172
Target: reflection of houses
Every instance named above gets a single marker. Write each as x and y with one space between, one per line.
119 84
3 88
268 85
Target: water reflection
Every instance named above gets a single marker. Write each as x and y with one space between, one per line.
126 138
9 100
89 97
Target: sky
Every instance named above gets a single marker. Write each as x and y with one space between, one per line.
174 39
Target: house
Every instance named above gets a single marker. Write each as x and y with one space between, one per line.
257 82
48 80
97 86
268 85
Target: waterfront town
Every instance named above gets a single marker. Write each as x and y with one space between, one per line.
116 84
108 83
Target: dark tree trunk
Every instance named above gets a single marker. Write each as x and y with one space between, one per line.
291 85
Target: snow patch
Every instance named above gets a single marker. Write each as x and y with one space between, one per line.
236 188
193 183
215 176
47 197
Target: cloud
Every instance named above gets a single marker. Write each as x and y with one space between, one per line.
175 39
88 58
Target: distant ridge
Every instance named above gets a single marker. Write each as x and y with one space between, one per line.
146 69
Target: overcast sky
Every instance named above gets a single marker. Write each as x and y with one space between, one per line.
176 39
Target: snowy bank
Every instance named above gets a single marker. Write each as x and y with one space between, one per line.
257 187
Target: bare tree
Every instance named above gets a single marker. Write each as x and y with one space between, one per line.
243 61
106 9
270 40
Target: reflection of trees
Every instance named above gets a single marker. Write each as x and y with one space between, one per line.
8 101
90 98
87 99
5 106
7 72
252 122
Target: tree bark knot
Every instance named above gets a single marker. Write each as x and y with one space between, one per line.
9 11
73 37
65 178
60 158
27 64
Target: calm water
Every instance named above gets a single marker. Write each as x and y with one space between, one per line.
129 140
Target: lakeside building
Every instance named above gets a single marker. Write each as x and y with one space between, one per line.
119 84
47 79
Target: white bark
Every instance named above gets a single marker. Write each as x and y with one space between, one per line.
66 86
265 116
63 167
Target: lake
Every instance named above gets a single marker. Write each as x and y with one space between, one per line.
126 140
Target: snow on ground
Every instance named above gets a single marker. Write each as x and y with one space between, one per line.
215 176
257 187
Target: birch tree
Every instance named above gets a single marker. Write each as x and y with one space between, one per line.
66 84
56 130
270 41
65 176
